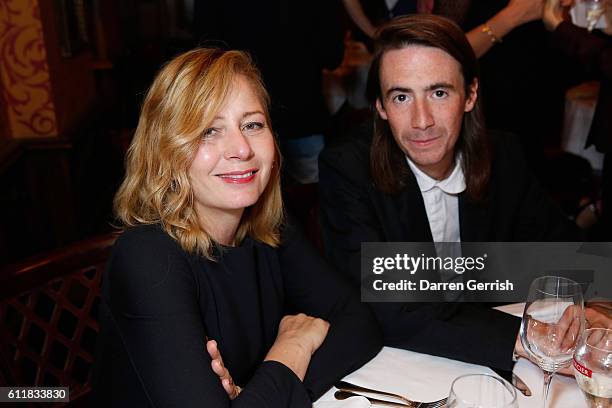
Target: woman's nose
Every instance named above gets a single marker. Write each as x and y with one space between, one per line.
238 146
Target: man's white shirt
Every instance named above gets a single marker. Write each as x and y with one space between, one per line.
442 201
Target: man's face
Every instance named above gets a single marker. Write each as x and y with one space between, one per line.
423 99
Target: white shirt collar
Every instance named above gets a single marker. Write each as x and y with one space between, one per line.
453 184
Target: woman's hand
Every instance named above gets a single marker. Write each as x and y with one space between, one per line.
308 332
218 368
298 337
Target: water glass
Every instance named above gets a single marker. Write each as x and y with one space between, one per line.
593 10
552 323
481 391
593 367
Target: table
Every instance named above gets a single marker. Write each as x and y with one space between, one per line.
424 377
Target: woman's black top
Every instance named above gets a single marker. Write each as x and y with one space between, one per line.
160 304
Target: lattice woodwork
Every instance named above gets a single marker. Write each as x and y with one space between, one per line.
49 330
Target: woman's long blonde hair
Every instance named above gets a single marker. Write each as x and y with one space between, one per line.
183 100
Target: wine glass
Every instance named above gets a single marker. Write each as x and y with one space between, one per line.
593 367
593 9
552 322
482 391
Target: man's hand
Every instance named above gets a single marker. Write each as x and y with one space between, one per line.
568 329
218 368
553 13
598 315
563 335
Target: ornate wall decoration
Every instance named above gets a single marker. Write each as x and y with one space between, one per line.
24 70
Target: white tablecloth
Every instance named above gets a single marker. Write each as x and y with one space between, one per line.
422 377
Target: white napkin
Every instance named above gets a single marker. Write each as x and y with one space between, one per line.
514 309
416 376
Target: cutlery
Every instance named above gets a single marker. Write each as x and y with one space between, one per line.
353 389
515 380
342 395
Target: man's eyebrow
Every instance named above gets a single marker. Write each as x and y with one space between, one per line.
438 85
397 89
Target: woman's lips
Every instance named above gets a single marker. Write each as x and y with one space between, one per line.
238 177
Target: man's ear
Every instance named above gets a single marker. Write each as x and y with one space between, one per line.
472 95
381 109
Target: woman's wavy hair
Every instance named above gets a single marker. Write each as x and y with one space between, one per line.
182 102
387 160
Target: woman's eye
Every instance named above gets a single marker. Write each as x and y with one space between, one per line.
253 126
210 132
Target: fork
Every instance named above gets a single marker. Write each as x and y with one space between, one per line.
348 388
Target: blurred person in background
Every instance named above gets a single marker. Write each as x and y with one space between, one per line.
481 38
594 53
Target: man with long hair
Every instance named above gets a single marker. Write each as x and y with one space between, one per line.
432 172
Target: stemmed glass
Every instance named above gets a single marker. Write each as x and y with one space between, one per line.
593 367
594 9
482 391
552 322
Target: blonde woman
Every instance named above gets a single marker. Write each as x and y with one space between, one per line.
206 255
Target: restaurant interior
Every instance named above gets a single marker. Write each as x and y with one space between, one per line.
73 74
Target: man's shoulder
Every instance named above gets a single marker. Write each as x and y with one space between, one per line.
507 153
349 157
502 140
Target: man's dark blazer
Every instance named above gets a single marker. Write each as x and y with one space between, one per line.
353 211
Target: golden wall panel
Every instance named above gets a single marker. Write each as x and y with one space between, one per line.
24 70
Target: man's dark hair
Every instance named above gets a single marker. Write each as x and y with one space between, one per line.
386 157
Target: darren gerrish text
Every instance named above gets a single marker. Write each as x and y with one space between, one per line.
425 285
